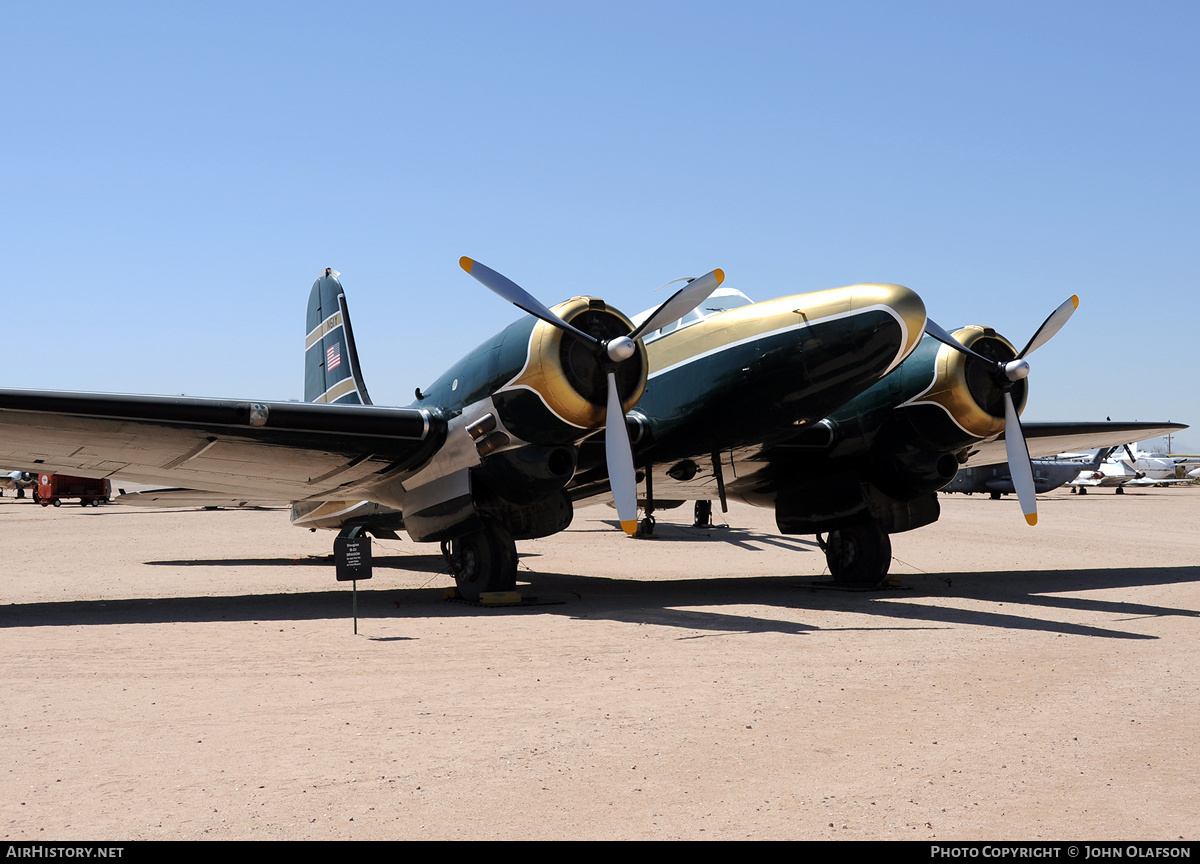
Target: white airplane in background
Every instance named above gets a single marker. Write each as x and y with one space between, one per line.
1129 467
1156 463
1190 462
19 480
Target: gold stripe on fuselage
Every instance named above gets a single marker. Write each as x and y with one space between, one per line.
747 323
332 322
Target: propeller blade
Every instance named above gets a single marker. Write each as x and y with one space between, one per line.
932 329
621 476
1018 460
681 302
1051 326
519 297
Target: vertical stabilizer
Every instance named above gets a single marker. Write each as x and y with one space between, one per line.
331 371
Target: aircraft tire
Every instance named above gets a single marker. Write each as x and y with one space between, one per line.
1120 491
483 561
859 554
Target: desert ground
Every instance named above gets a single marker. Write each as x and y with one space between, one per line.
194 674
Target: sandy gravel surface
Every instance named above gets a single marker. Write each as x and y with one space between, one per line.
191 674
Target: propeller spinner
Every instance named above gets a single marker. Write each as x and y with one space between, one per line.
609 354
1006 375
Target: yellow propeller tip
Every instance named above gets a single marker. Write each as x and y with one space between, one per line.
1075 300
629 526
1031 518
466 263
720 274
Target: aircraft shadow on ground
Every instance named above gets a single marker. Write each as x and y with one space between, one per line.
743 538
417 563
657 602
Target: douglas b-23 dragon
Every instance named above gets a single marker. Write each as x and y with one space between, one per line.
830 407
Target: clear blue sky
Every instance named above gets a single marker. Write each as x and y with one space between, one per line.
175 175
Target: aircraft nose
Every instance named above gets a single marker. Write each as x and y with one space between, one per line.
901 305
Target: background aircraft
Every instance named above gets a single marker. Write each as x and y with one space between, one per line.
1048 474
1129 467
830 407
1158 464
17 480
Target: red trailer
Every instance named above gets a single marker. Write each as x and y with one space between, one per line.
52 488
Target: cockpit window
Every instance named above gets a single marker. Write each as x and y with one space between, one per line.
721 300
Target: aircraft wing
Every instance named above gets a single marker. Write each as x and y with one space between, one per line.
1047 439
270 451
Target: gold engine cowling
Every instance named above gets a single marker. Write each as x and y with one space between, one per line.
566 372
968 389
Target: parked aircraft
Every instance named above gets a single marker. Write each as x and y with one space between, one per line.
1048 474
1157 464
17 480
829 407
1132 469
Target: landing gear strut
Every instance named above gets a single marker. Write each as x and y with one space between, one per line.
858 554
483 561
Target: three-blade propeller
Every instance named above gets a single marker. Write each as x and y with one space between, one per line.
609 354
1006 375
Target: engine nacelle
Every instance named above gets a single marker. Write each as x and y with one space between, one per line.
548 387
514 407
938 400
560 392
924 415
969 393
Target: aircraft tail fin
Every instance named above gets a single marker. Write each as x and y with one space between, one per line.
1099 458
331 370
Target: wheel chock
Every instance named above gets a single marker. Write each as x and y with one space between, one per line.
500 598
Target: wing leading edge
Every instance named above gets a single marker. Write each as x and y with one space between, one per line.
271 451
1049 439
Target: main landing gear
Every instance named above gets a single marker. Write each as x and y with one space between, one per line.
482 562
858 554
